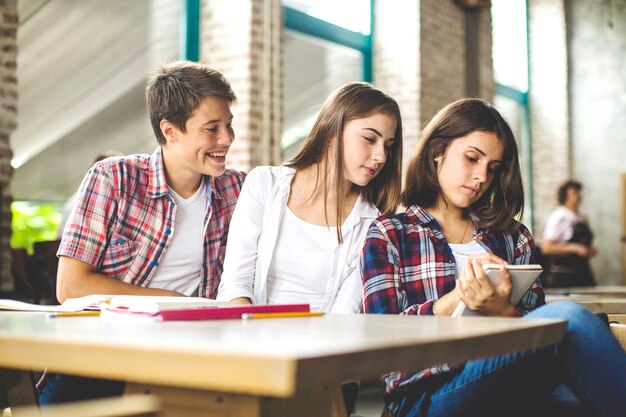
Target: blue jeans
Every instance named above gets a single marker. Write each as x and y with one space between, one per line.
60 388
588 360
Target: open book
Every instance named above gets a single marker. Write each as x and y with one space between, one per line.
522 277
149 304
187 308
156 308
132 303
89 302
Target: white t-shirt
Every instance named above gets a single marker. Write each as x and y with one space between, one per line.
180 268
253 235
560 224
302 262
461 250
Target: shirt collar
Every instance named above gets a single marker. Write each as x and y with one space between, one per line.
285 175
362 210
157 186
420 216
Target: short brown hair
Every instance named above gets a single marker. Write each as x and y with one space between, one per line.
175 90
562 192
504 200
352 101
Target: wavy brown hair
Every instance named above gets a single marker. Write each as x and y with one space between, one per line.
352 101
503 201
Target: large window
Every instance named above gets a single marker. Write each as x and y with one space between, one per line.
510 67
353 15
510 57
327 43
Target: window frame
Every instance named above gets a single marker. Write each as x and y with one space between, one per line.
522 98
298 21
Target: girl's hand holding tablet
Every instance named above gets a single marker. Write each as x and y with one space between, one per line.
479 294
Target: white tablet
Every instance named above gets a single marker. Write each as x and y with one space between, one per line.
522 277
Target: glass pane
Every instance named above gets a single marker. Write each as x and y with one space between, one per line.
515 113
353 15
510 54
34 221
81 86
313 69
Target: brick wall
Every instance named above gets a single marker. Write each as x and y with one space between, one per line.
241 39
396 62
420 58
551 159
8 117
442 55
486 83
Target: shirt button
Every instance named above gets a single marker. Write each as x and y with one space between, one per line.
154 263
168 231
120 241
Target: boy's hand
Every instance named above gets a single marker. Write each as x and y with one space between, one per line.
240 301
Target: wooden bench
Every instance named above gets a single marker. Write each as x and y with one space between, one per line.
125 406
617 323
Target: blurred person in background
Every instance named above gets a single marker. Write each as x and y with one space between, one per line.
567 240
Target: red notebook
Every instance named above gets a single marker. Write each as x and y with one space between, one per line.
208 313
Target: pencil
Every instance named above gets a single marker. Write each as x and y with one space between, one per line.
76 314
249 316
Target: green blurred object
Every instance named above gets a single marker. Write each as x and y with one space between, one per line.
34 222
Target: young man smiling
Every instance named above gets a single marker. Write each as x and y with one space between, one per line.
155 224
135 228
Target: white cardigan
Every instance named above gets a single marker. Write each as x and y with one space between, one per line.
254 231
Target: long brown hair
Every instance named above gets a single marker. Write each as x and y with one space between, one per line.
504 200
352 101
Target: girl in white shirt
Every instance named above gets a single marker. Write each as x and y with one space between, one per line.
297 231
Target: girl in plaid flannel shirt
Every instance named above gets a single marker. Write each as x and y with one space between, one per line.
463 192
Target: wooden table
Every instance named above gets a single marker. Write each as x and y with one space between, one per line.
608 300
616 291
268 367
597 304
600 299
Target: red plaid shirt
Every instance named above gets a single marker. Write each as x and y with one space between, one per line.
407 264
123 216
